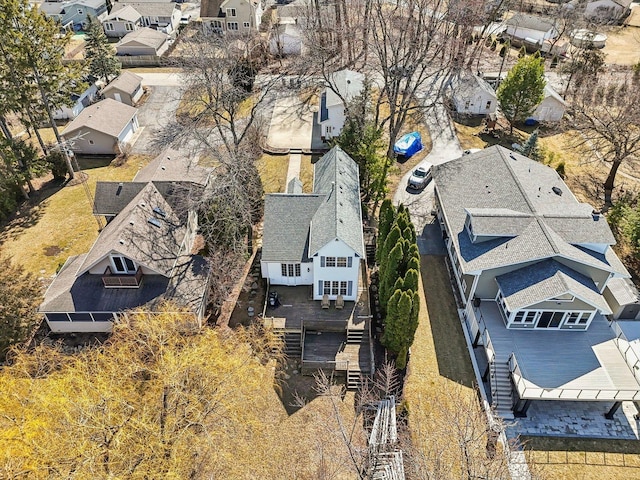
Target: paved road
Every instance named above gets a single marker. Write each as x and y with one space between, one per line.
445 147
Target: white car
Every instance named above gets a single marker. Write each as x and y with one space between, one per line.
184 20
420 177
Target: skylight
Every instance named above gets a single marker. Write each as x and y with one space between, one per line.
155 222
159 211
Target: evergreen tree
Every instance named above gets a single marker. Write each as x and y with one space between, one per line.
390 274
530 147
399 326
392 238
410 281
99 53
523 89
386 218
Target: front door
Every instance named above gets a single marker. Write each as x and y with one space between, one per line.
550 319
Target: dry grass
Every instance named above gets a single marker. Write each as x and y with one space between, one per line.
155 70
193 104
273 172
58 222
622 44
306 173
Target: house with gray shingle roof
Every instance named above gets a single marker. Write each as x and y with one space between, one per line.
473 95
533 267
142 258
316 239
126 88
532 28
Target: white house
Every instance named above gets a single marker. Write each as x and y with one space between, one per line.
102 128
552 107
159 15
473 95
316 239
240 16
144 41
286 38
530 28
122 21
533 267
342 87
79 102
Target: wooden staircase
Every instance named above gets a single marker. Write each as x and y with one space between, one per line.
356 373
292 341
501 395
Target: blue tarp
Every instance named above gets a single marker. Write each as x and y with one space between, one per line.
408 145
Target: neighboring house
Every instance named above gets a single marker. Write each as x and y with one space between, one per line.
121 22
532 264
144 41
623 298
220 16
141 259
606 11
79 101
127 88
316 239
159 16
472 95
344 86
75 13
102 128
286 38
552 107
530 28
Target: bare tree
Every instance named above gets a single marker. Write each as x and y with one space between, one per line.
607 115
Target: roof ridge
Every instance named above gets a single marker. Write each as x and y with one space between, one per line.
502 151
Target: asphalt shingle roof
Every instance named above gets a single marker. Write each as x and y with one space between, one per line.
107 116
111 197
144 36
493 181
124 12
467 85
174 166
532 22
125 82
545 280
148 9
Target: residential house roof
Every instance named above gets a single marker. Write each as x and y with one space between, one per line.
623 3
174 166
624 291
296 226
531 22
126 13
552 224
148 230
107 116
148 9
111 197
468 85
550 92
347 83
55 8
127 82
145 36
544 281
210 8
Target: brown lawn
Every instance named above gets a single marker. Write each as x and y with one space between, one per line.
273 172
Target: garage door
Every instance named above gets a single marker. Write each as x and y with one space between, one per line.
127 133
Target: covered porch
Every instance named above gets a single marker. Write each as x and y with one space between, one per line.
555 365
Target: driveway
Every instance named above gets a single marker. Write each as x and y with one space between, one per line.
445 147
159 109
291 124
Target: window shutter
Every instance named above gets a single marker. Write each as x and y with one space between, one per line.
349 262
350 287
320 287
322 261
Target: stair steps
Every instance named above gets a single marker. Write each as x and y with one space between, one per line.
292 345
502 399
355 336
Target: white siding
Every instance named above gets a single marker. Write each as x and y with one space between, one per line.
549 110
77 327
273 271
335 122
476 104
349 274
128 131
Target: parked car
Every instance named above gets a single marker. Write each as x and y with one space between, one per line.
184 20
420 177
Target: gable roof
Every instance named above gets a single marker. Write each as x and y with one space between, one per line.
131 234
107 116
545 280
348 83
533 22
550 92
173 166
296 226
489 183
210 8
466 86
144 36
147 9
124 12
125 82
336 175
55 8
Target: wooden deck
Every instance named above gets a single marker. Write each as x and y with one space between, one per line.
567 361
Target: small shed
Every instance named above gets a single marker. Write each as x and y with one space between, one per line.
472 95
102 128
532 28
127 88
144 41
624 299
552 107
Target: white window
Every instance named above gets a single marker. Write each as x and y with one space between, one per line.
342 262
129 26
343 288
122 264
232 25
246 24
524 317
329 129
488 105
231 12
330 262
108 27
327 288
290 269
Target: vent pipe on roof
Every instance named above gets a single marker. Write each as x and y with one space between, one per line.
595 214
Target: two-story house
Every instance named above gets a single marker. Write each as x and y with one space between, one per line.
75 13
143 256
161 16
122 21
79 101
342 87
533 267
239 16
316 239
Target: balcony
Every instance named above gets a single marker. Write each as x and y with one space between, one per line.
120 280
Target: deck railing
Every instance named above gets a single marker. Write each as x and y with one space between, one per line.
117 280
600 394
337 365
628 352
